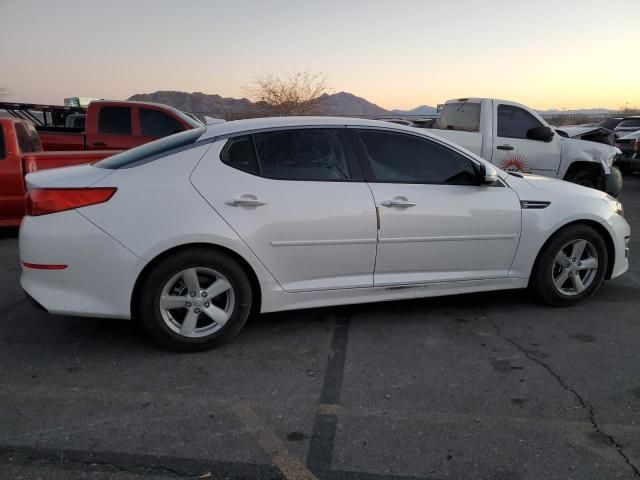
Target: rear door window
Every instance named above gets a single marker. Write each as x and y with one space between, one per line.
297 154
515 122
155 123
240 153
115 120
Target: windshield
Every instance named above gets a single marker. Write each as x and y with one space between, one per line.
151 150
463 116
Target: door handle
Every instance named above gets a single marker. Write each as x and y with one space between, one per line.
245 202
397 202
504 147
99 144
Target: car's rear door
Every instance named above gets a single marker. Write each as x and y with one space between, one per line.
298 200
436 223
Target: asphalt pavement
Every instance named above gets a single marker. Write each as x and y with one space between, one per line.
483 386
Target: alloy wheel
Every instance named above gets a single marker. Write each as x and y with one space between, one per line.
575 267
197 302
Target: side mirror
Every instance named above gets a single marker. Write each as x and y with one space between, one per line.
488 175
542 133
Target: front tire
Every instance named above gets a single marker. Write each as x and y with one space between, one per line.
587 179
571 267
195 300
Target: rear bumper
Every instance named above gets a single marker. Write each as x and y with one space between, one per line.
99 275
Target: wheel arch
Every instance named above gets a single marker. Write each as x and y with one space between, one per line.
598 227
244 264
583 166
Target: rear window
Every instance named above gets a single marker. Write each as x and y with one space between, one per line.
116 120
630 123
152 150
28 138
464 116
155 123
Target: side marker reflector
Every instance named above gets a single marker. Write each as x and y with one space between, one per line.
44 266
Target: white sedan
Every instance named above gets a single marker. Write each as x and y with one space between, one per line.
193 232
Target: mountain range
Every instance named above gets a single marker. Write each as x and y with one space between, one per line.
341 103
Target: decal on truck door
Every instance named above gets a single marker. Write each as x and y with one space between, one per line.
514 162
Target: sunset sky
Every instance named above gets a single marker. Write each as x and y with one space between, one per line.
398 54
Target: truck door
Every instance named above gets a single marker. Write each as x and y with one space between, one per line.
513 151
114 129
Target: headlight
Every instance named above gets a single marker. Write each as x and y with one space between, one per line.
614 205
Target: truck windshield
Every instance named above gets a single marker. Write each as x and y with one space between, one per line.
152 150
464 116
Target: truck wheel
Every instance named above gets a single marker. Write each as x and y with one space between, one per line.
195 300
586 179
571 267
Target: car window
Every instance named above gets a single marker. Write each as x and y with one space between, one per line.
302 154
152 150
158 124
402 158
630 123
463 116
515 122
28 139
115 120
3 152
240 153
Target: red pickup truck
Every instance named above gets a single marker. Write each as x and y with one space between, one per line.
108 125
21 153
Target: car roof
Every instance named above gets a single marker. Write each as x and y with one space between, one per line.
238 126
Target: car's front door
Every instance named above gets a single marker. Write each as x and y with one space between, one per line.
514 151
297 199
436 223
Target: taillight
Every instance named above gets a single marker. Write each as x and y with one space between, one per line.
42 201
637 149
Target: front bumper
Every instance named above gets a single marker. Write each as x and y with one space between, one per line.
100 273
621 234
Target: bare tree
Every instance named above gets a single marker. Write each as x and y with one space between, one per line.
297 93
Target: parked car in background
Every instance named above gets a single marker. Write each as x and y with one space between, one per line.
629 144
610 123
628 125
21 153
514 137
285 213
104 125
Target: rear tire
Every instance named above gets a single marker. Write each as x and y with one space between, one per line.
195 300
571 266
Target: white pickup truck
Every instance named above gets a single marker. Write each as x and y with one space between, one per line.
515 138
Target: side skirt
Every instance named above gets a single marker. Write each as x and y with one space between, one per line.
276 299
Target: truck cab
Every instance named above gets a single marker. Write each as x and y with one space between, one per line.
516 138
